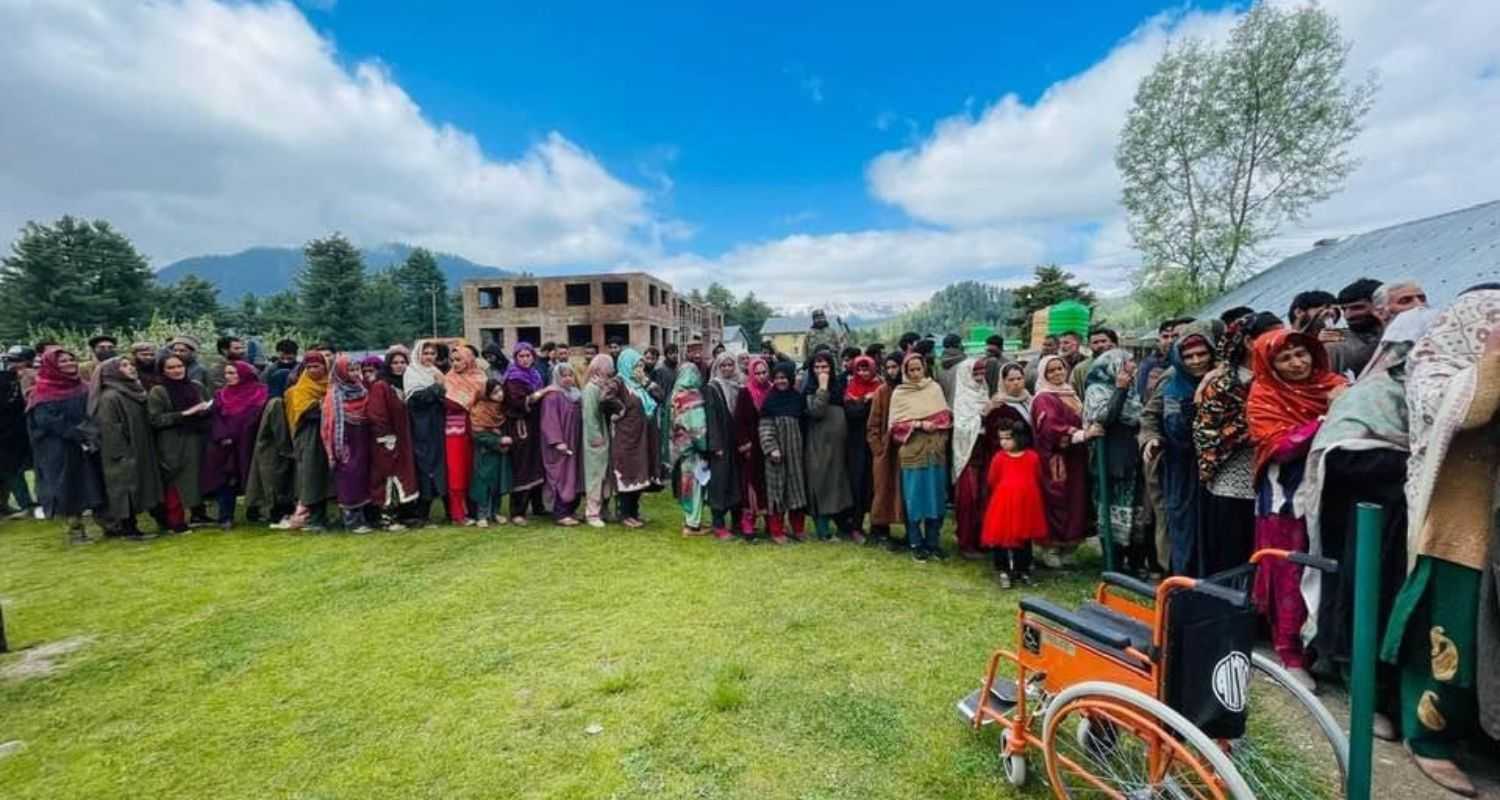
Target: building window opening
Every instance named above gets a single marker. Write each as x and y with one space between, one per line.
489 297
578 294
621 332
530 335
527 297
489 336
616 293
580 335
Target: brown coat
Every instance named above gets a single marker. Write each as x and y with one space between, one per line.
885 506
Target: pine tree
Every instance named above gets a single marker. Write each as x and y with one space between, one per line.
419 281
382 307
73 274
191 298
332 287
1053 285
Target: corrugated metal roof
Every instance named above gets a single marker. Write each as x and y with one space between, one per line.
732 332
786 325
1445 254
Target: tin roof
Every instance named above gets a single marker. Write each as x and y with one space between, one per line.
1445 254
776 325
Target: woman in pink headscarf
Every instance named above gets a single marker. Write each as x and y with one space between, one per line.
231 437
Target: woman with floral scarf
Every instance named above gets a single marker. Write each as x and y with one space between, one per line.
347 440
1226 458
1110 402
689 448
599 407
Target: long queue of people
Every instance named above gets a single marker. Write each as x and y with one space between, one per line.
1234 434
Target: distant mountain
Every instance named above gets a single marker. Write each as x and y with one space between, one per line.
268 270
855 314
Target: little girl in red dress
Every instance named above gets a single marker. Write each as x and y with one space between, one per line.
1015 516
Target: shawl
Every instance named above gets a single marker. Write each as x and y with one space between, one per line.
629 358
730 387
1020 403
915 400
759 389
835 385
862 388
530 376
465 381
344 403
1184 385
786 402
1397 339
689 421
486 415
969 400
52 383
306 393
601 370
108 376
1275 406
1064 390
575 394
1099 389
183 394
1440 386
249 395
397 382
417 378
1220 425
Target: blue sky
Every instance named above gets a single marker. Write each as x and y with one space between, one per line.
804 151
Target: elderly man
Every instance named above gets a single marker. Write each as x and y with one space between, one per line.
1395 297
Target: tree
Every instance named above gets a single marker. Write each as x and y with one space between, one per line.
190 298
73 274
331 285
281 310
383 305
244 319
720 298
1053 285
1224 146
419 280
958 306
750 313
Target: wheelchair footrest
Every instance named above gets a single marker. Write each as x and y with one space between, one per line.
1002 698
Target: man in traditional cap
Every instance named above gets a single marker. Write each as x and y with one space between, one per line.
186 348
102 349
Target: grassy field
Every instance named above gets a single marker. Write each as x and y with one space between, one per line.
536 662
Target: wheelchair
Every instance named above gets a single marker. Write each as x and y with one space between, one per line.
1156 692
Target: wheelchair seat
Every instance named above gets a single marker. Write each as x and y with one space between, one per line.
1104 633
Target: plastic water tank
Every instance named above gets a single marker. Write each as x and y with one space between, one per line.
1069 315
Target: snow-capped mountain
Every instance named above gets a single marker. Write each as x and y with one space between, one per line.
863 312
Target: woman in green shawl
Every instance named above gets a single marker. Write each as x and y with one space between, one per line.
689 446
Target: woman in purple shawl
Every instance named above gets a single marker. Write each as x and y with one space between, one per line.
523 411
562 440
231 438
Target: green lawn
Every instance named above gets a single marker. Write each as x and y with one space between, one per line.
460 663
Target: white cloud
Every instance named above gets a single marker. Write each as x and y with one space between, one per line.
198 126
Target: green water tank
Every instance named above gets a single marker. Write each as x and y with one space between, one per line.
1069 315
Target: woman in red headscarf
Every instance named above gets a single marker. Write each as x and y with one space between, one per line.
859 391
64 446
1291 392
231 438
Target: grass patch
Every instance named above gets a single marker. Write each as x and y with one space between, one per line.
464 663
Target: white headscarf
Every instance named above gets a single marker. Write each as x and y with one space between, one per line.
970 397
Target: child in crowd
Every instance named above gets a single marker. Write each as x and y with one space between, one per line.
491 479
1015 516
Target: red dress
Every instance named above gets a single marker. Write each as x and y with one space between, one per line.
1015 514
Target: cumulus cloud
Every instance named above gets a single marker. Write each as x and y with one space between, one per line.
199 126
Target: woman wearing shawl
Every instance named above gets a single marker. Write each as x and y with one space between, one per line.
422 388
127 446
864 381
270 486
1167 431
1443 629
562 443
919 423
1292 390
346 441
727 456
634 453
1226 459
227 460
1109 401
303 403
491 479
747 437
689 451
64 443
780 438
524 393
600 405
1012 401
1061 443
393 471
973 441
463 386
180 414
825 446
885 466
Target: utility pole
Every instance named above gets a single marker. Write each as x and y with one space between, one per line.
433 291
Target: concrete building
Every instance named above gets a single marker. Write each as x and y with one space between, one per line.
580 309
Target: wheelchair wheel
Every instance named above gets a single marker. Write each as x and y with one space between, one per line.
1132 746
1015 765
1293 747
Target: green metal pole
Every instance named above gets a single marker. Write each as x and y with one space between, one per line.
1369 528
1101 481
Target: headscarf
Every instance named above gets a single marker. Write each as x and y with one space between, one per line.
835 380
689 422
182 392
861 388
52 383
1020 403
759 390
249 395
486 414
1220 425
418 377
629 357
1099 388
344 403
306 393
601 371
108 376
530 376
397 382
1063 389
1275 406
574 394
786 402
916 400
465 380
374 362
730 387
969 401
1398 339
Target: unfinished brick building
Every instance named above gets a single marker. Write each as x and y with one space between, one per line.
579 309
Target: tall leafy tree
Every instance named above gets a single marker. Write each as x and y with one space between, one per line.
750 313
1052 285
281 310
382 307
420 281
331 286
721 298
73 274
1224 146
190 298
957 307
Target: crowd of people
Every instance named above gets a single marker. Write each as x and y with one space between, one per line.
1231 434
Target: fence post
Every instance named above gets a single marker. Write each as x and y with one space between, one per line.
1101 482
1369 528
